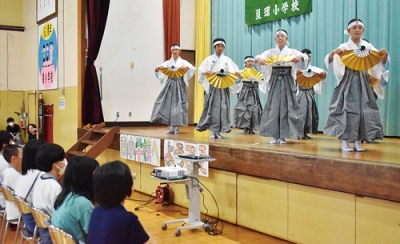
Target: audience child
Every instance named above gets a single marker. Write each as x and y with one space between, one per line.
73 206
28 178
110 221
50 159
13 155
5 139
14 130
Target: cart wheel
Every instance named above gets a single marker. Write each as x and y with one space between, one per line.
164 227
207 228
178 233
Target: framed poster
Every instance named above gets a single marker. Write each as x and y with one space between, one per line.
48 55
45 9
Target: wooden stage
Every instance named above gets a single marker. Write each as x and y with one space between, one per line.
318 162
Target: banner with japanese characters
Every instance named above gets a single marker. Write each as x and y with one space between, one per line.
262 11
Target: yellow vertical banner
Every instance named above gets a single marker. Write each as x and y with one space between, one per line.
202 36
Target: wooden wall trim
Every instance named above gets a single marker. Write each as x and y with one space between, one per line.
12 28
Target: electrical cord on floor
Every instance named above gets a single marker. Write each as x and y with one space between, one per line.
212 223
151 199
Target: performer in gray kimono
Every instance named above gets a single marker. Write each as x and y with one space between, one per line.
248 109
171 106
306 96
216 112
353 112
282 117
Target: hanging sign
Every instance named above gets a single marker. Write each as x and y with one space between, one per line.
262 11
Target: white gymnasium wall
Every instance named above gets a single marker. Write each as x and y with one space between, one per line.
188 20
134 35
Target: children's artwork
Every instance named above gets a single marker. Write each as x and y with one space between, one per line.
179 149
155 151
131 147
123 145
146 150
169 153
202 150
139 149
190 148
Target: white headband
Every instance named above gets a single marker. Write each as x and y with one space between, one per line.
175 47
249 58
281 32
353 24
218 42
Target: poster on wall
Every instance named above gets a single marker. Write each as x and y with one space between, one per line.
48 55
45 9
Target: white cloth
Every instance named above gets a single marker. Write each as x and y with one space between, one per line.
3 166
266 70
176 64
213 63
24 183
379 71
45 192
11 176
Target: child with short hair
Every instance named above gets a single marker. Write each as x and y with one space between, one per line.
248 109
50 159
5 139
171 106
112 183
282 117
306 96
216 112
13 155
14 130
353 111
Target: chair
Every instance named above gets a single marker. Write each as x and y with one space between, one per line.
59 236
40 219
2 212
9 196
25 208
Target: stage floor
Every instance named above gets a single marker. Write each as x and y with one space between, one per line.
383 151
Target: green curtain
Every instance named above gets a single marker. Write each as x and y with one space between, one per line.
320 31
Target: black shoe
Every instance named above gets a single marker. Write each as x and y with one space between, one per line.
26 233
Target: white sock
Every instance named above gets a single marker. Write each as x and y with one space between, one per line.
357 145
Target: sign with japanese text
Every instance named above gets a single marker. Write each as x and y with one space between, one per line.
262 11
48 55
